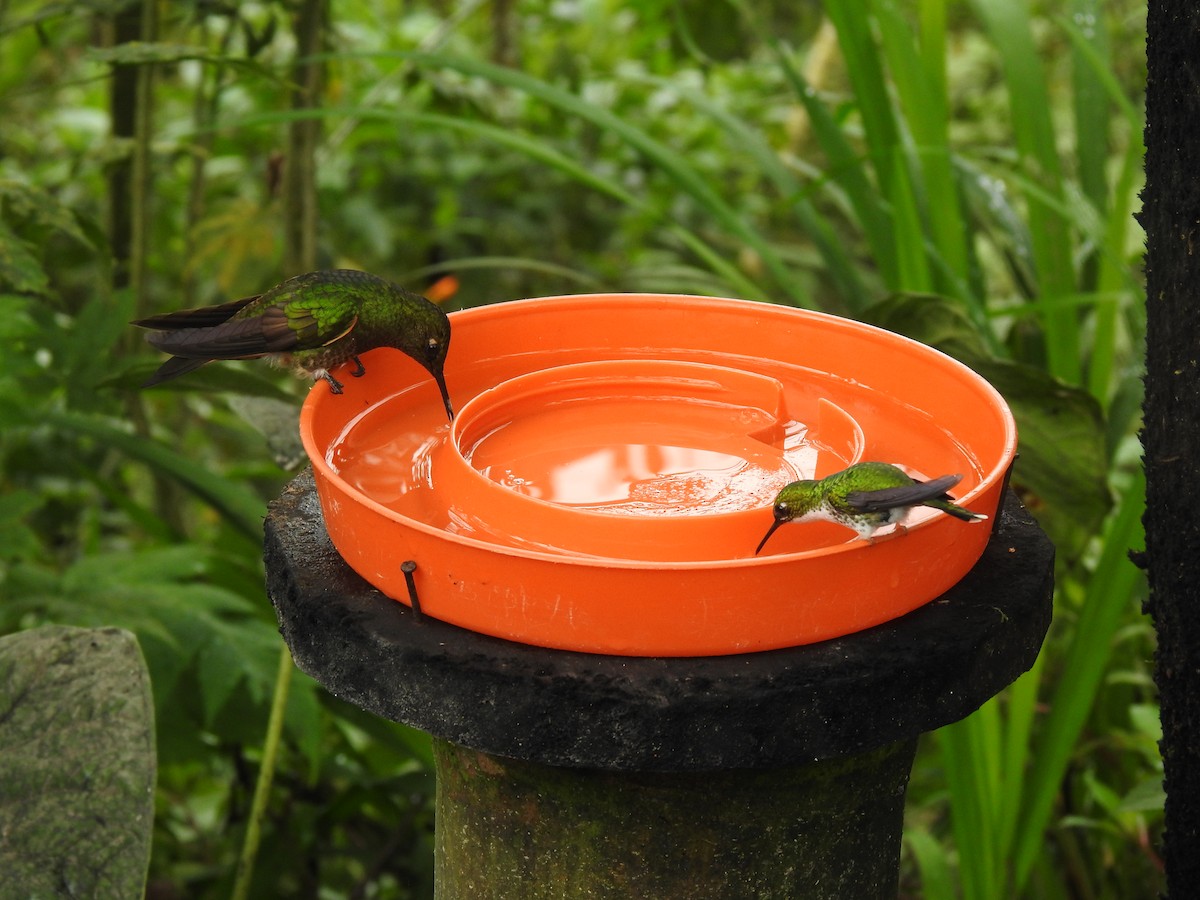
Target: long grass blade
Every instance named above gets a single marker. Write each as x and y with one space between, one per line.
841 268
1091 66
863 64
1091 104
966 778
846 165
913 275
670 162
932 863
918 74
543 152
244 877
1110 592
1021 711
1008 22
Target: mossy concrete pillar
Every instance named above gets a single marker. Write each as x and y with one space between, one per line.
508 828
774 774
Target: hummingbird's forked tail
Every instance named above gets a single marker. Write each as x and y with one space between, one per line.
173 368
956 511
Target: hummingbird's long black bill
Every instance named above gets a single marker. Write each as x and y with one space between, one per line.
770 531
441 383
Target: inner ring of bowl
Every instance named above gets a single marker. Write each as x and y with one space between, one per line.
635 458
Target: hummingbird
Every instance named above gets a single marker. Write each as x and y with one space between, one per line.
312 323
865 496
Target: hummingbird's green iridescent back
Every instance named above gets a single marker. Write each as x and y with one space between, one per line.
341 313
857 479
312 322
865 497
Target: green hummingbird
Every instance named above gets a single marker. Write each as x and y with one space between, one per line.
865 496
312 323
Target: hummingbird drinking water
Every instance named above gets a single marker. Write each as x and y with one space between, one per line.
312 323
865 496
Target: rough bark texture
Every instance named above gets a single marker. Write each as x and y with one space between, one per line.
122 106
300 176
1171 216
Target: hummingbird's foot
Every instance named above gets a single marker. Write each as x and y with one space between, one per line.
335 386
359 369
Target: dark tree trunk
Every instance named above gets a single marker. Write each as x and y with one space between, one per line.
300 177
122 105
1171 437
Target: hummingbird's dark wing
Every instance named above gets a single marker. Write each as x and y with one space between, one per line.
279 328
203 317
904 495
243 329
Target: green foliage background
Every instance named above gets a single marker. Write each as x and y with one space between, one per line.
963 172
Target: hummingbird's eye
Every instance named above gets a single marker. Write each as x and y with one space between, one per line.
782 510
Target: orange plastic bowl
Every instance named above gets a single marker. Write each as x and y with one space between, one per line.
528 519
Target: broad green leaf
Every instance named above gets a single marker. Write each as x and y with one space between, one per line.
930 319
278 421
1146 718
240 506
1145 796
163 595
1091 103
400 740
251 379
220 669
85 347
871 90
20 269
913 267
17 539
151 565
994 216
15 321
28 207
1063 463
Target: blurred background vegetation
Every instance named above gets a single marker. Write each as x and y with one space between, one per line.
962 172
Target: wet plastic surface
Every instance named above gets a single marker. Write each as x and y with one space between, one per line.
613 465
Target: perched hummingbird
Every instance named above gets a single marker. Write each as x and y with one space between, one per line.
312 323
865 496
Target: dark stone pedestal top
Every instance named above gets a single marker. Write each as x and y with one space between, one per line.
892 682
